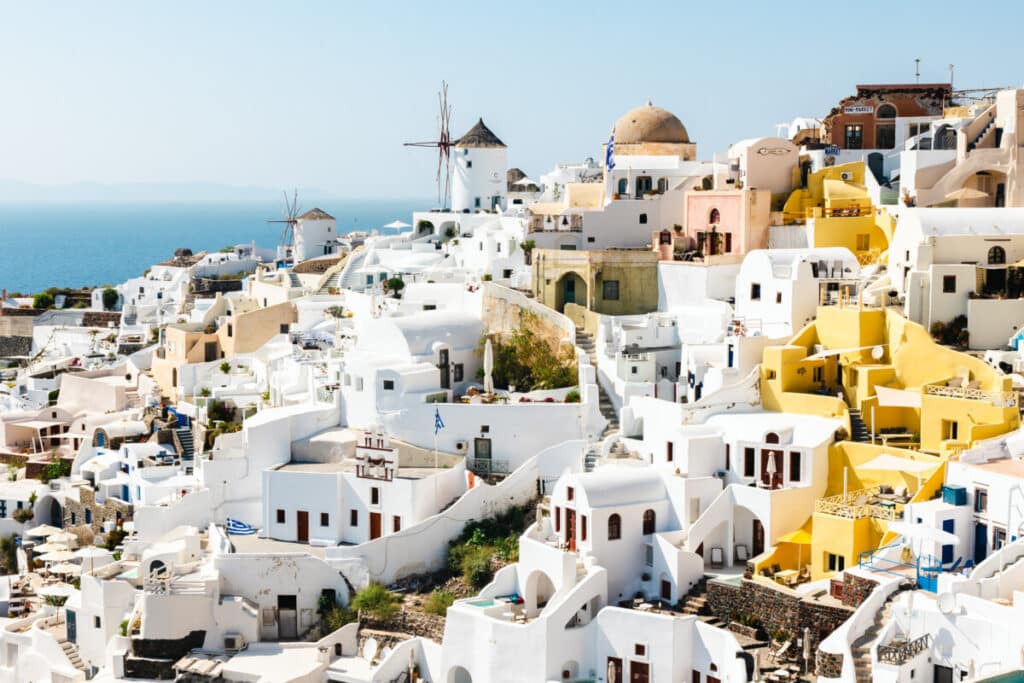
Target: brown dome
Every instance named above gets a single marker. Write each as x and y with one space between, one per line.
649 124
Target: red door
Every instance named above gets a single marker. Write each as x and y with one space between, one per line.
374 525
302 526
639 672
570 529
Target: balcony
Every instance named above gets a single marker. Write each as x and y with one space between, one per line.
560 223
1000 399
486 467
900 653
870 502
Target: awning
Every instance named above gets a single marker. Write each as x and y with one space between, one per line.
801 536
920 532
892 463
897 398
838 352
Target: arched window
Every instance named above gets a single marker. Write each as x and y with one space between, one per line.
886 111
648 522
714 217
996 255
662 185
772 437
623 186
614 528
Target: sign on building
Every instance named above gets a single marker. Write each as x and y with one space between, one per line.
832 150
859 109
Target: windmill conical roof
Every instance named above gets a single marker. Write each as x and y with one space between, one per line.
479 136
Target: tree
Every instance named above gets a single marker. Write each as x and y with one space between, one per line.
394 284
110 298
528 362
42 300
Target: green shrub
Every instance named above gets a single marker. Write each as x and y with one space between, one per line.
110 298
9 554
439 602
114 539
528 362
124 628
573 396
225 367
476 566
334 618
42 300
55 470
23 515
376 601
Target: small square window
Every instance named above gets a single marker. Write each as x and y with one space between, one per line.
469 163
569 493
949 284
389 385
639 650
284 328
396 524
755 291
643 219
591 240
485 429
280 516
375 496
610 290
458 372
325 519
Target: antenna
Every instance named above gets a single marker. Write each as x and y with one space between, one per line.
443 143
917 70
951 76
291 214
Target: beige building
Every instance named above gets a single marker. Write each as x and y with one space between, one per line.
610 281
230 327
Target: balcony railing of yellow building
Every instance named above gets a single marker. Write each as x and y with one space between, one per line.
1005 399
858 504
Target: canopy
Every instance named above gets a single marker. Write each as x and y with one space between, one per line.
66 568
525 182
62 537
920 532
57 590
42 531
49 547
92 551
891 463
901 398
967 193
397 225
800 536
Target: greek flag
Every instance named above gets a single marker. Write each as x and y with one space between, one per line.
438 422
239 528
609 155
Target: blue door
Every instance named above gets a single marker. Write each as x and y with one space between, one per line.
948 525
980 541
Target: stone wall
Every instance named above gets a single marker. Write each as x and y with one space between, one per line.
856 589
412 623
828 664
776 609
74 511
11 346
505 311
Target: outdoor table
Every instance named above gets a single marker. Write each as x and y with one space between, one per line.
786 576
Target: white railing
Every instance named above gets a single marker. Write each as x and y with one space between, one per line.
856 505
1005 399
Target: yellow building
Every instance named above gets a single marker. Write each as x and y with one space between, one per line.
835 203
908 402
229 327
610 282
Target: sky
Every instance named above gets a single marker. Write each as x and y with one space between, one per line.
323 94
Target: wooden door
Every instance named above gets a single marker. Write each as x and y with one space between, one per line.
570 529
639 672
302 526
666 590
758 536
374 525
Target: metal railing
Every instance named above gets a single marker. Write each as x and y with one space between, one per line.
856 505
486 466
1005 399
904 652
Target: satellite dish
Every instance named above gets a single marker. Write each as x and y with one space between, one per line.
877 352
947 603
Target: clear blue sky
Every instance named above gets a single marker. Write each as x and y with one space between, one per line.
323 94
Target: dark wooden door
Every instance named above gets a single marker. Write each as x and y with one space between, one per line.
666 590
570 529
374 525
302 526
758 536
210 351
639 672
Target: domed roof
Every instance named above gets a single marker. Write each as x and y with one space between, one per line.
649 124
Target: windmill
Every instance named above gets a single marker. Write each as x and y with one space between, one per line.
443 143
291 214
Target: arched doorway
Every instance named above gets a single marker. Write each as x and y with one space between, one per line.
885 127
570 289
995 275
459 674
539 589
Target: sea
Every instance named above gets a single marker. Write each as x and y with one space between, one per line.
90 243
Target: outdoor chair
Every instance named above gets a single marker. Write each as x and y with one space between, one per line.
776 568
742 554
717 557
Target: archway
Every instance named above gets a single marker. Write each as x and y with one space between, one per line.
570 289
539 589
459 674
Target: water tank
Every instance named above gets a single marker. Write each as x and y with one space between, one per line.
954 495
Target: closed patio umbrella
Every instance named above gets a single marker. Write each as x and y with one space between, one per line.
488 368
397 225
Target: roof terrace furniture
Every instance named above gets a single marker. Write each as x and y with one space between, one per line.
717 557
742 552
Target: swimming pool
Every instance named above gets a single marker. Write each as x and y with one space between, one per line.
1011 677
485 602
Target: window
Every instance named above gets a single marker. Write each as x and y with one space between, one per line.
284 328
96 622
727 457
669 454
836 563
643 219
610 290
854 136
476 202
778 297
748 462
996 256
469 163
359 383
353 517
457 372
886 111
583 527
714 217
648 522
375 495
230 330
396 524
325 519
569 493
728 242
614 527
558 519
863 242
280 516
429 307
649 555
485 429
639 650
623 186
591 240
794 466
755 291
389 385
981 500
819 374
949 284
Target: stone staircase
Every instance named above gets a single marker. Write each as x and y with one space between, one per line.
71 652
350 277
861 647
187 443
981 136
585 341
293 280
333 282
858 427
696 600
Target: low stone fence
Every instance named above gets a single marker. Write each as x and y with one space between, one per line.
412 623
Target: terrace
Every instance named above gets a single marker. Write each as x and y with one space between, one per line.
877 502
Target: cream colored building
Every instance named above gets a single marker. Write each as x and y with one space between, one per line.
611 282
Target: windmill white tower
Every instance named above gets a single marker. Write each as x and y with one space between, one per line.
481 162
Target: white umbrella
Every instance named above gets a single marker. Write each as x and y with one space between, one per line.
57 556
967 193
57 590
91 553
62 537
49 547
525 182
42 531
488 368
397 225
66 568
